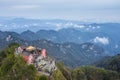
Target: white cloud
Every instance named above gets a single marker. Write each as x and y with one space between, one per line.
93 27
89 28
25 6
60 25
116 46
98 27
73 25
79 26
102 40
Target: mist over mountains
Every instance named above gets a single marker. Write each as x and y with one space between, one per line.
83 42
60 31
22 24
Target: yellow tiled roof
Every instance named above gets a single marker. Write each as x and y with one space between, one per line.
30 48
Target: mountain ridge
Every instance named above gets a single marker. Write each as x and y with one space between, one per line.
105 35
83 54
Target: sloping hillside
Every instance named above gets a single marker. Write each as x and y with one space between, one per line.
70 53
110 63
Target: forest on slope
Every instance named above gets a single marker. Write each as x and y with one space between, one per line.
14 68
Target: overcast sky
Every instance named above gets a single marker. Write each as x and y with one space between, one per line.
90 10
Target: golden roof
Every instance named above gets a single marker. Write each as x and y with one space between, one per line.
30 48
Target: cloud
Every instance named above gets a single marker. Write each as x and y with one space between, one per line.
25 6
102 40
89 28
90 10
60 25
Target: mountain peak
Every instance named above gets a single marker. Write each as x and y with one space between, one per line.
27 31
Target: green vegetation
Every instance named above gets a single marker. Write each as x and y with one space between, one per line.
14 68
110 63
43 77
65 71
88 73
8 50
57 75
93 73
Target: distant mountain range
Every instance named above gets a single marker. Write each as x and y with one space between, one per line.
71 54
69 41
105 35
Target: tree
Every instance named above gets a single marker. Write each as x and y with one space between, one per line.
93 73
64 70
43 77
8 50
57 75
15 68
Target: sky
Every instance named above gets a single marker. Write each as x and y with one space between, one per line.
83 10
